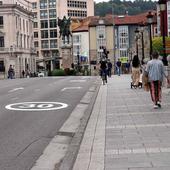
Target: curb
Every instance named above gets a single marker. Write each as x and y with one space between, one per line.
71 154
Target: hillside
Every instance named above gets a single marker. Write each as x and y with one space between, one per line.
123 7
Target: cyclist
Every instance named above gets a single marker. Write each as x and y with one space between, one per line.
103 69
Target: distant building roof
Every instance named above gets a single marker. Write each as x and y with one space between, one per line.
108 20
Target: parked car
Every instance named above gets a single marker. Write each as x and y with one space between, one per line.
41 74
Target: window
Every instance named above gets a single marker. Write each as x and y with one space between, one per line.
35 34
52 13
53 33
53 43
2 67
35 25
77 39
52 3
123 37
44 44
44 34
1 21
35 15
53 23
44 24
36 44
43 14
43 4
1 41
34 5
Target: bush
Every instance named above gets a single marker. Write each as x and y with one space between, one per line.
69 72
58 72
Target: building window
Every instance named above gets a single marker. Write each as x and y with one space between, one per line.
123 37
2 66
36 44
34 5
1 21
44 34
35 34
44 44
52 13
35 15
43 4
43 14
76 4
77 39
35 25
53 43
1 41
52 3
44 24
53 23
53 33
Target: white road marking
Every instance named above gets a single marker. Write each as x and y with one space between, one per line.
19 88
70 88
36 106
78 81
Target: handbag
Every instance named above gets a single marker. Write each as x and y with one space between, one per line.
145 81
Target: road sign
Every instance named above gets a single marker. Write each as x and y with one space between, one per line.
36 106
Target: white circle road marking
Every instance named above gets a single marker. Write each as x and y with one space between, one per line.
36 106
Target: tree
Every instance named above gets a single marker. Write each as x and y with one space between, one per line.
157 44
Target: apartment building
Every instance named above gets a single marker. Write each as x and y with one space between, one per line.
16 37
46 31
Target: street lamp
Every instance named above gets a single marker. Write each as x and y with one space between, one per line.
137 37
150 22
141 31
162 7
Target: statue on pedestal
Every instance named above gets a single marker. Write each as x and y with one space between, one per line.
64 25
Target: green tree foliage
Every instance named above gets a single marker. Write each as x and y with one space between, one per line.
157 44
122 7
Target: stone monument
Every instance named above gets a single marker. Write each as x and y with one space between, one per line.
66 43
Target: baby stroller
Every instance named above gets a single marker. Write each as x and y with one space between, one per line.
139 85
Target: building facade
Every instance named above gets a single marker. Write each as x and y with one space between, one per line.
16 37
46 31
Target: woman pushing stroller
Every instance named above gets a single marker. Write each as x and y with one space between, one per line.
135 72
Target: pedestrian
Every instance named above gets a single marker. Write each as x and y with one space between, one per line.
103 69
127 67
156 73
135 71
23 73
11 72
109 68
118 67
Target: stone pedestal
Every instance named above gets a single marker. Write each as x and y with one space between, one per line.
66 56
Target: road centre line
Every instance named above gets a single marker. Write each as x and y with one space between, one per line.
70 88
77 81
16 89
138 126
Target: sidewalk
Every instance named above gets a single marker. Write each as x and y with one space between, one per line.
124 132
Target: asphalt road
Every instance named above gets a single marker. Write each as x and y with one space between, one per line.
27 128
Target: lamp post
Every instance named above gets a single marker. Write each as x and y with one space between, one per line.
142 31
137 37
162 6
150 22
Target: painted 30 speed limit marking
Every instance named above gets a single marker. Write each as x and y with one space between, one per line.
36 106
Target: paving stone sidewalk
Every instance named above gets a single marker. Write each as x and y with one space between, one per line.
125 132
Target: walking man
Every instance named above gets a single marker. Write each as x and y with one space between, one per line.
155 71
118 67
109 66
